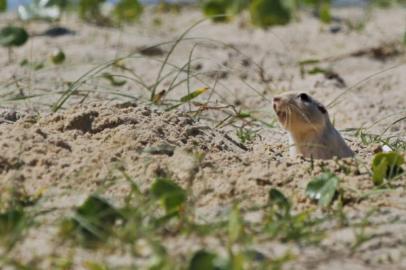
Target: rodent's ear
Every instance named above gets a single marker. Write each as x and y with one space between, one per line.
304 97
322 109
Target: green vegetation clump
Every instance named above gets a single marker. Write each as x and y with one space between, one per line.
266 13
3 5
128 10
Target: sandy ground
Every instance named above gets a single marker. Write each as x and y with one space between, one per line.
69 154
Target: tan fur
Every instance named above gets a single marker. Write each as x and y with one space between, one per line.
311 131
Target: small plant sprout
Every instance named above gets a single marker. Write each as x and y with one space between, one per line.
57 57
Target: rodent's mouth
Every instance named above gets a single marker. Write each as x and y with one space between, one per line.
280 112
281 115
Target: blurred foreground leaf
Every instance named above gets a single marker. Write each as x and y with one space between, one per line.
276 198
323 188
386 165
169 194
235 225
92 222
12 223
203 260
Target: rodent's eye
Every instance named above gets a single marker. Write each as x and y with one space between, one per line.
304 97
322 109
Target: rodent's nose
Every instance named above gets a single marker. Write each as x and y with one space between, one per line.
276 99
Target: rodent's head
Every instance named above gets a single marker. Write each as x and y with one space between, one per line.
300 113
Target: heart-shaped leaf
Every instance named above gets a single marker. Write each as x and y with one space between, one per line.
323 188
386 165
13 36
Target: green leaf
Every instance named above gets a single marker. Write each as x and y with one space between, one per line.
47 10
202 260
193 94
277 198
3 5
323 188
169 193
128 10
12 36
267 13
386 165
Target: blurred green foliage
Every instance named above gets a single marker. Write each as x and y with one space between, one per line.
266 13
13 36
263 13
3 5
128 10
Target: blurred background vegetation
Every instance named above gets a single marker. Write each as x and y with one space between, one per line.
116 13
263 13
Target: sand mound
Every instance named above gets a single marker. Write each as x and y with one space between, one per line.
83 145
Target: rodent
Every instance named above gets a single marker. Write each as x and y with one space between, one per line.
311 132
